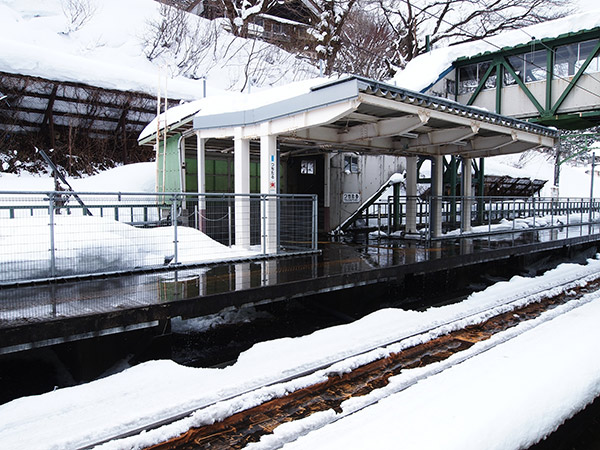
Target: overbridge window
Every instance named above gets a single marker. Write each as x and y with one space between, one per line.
535 66
568 59
470 76
528 67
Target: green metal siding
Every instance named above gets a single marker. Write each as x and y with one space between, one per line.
169 179
191 175
219 172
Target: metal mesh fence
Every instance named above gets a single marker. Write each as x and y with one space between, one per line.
297 217
59 234
488 215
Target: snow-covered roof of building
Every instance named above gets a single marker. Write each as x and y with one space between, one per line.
426 69
182 115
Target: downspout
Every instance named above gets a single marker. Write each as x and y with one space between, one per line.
180 162
166 129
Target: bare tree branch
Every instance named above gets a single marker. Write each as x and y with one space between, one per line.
449 22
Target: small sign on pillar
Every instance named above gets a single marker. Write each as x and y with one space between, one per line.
272 174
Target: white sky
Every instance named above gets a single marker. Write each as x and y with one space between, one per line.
588 5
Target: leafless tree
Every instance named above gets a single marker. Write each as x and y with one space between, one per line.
367 45
329 30
179 38
448 22
240 13
78 13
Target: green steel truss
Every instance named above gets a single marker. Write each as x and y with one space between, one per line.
548 110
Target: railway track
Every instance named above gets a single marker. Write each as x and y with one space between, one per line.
326 386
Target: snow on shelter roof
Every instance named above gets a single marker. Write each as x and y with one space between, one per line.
358 114
423 71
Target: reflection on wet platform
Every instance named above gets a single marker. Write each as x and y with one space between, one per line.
355 254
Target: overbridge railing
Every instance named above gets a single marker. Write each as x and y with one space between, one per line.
47 235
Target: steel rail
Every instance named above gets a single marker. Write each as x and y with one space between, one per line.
510 303
439 368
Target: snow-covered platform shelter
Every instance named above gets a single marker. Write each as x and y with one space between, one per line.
320 120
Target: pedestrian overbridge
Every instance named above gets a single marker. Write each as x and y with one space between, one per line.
554 81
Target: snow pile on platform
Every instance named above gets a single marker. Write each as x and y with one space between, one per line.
516 376
528 223
138 177
95 244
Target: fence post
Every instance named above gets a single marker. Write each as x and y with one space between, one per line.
568 208
263 209
315 222
229 221
489 213
389 216
174 222
429 219
52 248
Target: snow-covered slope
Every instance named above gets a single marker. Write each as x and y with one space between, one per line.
108 50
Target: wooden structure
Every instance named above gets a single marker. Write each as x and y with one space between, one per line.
75 119
284 24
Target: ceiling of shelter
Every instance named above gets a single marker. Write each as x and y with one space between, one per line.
374 129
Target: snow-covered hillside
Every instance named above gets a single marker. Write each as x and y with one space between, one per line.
109 50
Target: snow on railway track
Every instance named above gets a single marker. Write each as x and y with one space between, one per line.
480 308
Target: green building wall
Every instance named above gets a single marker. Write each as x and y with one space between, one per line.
219 171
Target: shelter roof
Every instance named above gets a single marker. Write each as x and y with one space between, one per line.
363 115
495 185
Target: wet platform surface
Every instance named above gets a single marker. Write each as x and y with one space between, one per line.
50 313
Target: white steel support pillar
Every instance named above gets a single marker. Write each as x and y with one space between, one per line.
327 192
201 163
467 192
411 194
242 276
241 167
269 180
437 184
